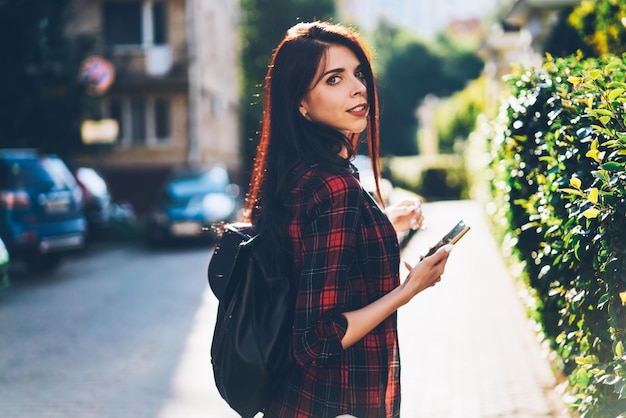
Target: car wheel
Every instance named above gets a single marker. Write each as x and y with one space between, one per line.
155 237
43 263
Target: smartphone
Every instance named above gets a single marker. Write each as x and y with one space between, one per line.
455 234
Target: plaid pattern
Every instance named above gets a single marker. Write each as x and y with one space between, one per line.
346 256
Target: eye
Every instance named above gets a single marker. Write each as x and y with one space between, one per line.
332 80
360 75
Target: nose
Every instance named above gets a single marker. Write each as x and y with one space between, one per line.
359 86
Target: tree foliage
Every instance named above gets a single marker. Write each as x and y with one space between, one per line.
456 116
564 39
409 70
265 23
601 25
40 100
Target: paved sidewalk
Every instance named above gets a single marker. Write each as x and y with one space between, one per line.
466 346
467 349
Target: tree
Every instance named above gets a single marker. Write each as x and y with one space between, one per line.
600 23
40 100
564 39
265 23
409 70
405 81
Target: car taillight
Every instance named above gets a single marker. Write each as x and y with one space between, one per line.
14 200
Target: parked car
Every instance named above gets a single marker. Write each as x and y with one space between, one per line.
97 202
41 209
190 202
4 265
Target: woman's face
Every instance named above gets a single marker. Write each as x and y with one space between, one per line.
337 97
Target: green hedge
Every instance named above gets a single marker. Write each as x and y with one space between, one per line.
434 177
558 179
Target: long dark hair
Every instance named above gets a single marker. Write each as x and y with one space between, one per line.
286 136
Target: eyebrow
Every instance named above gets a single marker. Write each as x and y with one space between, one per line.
335 70
339 70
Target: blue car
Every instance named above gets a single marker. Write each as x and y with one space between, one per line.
190 202
4 265
41 209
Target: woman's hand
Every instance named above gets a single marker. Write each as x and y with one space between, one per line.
406 215
427 272
424 275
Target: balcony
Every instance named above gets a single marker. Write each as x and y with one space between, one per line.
155 65
152 61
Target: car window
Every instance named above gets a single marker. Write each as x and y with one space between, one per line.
193 186
43 172
213 181
92 180
59 173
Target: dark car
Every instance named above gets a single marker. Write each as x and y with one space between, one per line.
4 265
190 202
96 199
41 210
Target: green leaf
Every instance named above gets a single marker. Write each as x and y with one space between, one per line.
581 360
602 175
603 300
571 191
605 119
594 74
575 182
591 213
619 349
614 94
613 166
611 380
603 112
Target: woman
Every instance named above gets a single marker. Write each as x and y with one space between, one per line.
304 193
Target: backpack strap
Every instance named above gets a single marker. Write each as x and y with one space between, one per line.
295 176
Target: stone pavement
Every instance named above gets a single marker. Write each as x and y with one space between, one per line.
467 349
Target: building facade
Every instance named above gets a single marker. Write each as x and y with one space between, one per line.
175 96
519 38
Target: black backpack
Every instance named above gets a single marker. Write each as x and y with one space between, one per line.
251 348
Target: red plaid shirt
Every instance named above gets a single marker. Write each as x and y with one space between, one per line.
346 256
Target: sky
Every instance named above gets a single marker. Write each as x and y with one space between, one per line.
424 17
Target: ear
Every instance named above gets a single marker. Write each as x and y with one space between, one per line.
304 111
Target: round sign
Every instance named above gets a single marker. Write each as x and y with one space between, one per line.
97 74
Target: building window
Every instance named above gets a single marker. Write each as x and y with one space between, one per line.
142 121
159 23
122 23
135 23
115 112
162 119
138 117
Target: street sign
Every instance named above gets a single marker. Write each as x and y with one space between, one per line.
97 74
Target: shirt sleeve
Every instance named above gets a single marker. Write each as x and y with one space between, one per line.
328 240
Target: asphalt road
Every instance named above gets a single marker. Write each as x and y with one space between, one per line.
110 334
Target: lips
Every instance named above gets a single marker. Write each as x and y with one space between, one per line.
359 110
